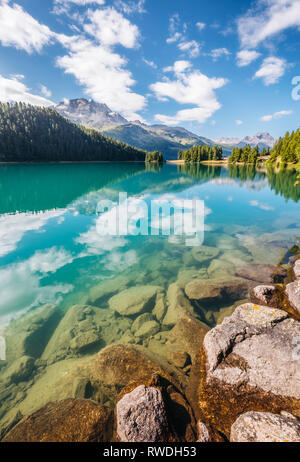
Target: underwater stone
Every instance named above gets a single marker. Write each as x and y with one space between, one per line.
160 308
264 295
147 329
140 320
178 305
204 253
71 420
20 370
141 416
264 427
135 300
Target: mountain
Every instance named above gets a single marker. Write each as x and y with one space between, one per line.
168 140
263 140
89 113
36 134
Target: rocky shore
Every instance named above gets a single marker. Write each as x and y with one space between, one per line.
149 362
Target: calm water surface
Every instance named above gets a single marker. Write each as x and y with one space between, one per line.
51 253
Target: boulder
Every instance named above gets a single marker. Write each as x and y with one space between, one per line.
205 254
248 363
140 320
297 269
71 420
20 370
141 416
265 295
264 427
107 288
204 435
178 305
135 300
179 359
160 308
293 294
265 274
204 289
77 333
148 329
29 334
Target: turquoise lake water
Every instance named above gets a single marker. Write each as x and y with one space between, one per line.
51 253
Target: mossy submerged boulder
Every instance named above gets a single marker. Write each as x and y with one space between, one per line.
231 289
135 300
248 363
71 420
204 254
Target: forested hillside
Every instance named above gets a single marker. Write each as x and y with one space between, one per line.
35 134
287 149
201 153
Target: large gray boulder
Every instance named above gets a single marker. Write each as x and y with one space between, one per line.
293 295
264 427
135 301
141 416
250 363
264 294
297 269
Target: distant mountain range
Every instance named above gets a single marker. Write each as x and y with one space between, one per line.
168 140
263 140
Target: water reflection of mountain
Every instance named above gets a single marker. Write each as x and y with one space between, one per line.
283 182
39 187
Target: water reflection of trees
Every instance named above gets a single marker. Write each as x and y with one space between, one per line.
283 182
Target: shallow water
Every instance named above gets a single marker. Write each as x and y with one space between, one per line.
52 253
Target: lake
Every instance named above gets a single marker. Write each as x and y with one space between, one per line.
53 256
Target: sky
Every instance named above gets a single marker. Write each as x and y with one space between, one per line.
218 68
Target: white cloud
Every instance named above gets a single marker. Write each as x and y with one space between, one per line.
200 25
191 47
150 63
239 122
276 115
104 76
129 7
261 206
178 67
47 93
269 18
245 57
81 2
174 38
111 28
271 70
191 87
14 90
20 30
219 52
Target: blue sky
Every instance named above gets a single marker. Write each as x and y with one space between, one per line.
218 68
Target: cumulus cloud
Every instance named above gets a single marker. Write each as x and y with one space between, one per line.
20 30
218 53
271 70
112 28
239 122
201 25
14 90
192 48
268 18
276 115
103 75
190 87
246 57
47 93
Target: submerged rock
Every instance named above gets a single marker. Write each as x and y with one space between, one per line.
20 370
29 334
204 253
135 300
293 295
71 420
141 416
249 363
148 329
264 427
108 288
178 305
265 274
232 289
77 333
